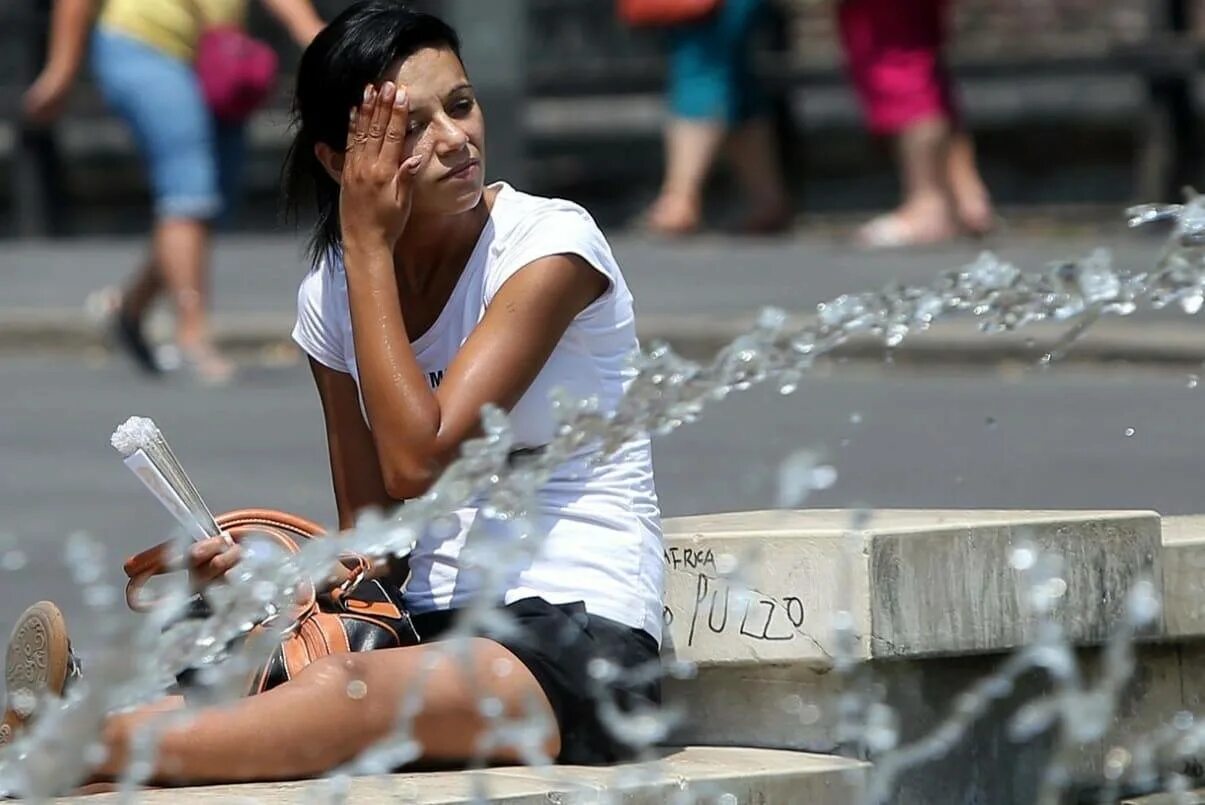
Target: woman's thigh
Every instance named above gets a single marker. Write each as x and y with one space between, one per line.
159 98
452 697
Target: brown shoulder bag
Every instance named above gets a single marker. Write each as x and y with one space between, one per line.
359 608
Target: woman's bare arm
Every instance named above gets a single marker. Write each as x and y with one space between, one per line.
298 17
355 469
418 431
70 21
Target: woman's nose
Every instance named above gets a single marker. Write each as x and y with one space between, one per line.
450 138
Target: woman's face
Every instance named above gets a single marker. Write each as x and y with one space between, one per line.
447 127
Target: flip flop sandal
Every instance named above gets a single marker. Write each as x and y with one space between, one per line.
890 231
39 663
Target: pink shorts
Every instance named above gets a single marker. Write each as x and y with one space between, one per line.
893 53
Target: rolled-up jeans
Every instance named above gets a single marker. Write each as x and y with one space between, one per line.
193 162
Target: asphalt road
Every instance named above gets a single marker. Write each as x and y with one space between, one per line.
1065 438
708 276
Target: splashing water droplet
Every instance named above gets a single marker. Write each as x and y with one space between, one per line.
13 560
726 564
1142 604
801 474
1129 432
855 418
1116 762
1194 381
1023 557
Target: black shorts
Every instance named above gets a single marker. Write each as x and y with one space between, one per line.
557 643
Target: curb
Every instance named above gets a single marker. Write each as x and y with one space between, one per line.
954 343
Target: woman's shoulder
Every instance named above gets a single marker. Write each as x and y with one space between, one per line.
324 286
518 214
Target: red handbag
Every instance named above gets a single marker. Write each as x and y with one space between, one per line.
237 72
653 13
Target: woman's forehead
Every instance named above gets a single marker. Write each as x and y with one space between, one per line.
429 73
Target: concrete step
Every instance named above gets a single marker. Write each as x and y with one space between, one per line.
758 588
1189 798
1184 576
937 604
688 775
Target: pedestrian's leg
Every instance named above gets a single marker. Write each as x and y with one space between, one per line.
182 253
753 148
893 49
180 148
972 201
922 152
754 155
700 108
690 150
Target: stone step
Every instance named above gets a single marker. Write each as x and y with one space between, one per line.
759 588
938 605
1184 576
1190 798
692 774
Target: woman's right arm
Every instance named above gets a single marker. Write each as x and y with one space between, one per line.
355 468
70 22
355 472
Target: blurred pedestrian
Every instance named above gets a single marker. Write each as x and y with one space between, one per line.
714 101
893 50
143 59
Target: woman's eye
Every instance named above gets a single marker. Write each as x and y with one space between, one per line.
463 106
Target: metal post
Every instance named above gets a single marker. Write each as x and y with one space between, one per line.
36 183
1170 157
494 45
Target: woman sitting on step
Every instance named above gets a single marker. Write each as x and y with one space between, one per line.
431 295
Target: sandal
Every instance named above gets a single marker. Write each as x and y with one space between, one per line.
39 663
893 231
207 366
127 331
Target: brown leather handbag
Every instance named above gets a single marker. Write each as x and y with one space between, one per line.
358 608
656 13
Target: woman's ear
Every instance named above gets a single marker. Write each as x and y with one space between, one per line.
331 160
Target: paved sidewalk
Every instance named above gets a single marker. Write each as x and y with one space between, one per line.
695 294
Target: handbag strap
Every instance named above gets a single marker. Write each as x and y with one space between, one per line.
288 530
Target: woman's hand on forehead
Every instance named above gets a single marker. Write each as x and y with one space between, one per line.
375 195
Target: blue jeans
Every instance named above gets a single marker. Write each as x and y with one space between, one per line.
710 70
194 162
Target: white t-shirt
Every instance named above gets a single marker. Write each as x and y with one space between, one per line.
601 519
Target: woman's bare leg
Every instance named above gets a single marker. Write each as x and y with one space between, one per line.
691 147
338 707
754 155
972 202
181 252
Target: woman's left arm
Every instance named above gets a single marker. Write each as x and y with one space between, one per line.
298 17
419 431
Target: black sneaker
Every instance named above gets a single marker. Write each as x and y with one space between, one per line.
128 332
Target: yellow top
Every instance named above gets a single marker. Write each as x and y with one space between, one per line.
173 26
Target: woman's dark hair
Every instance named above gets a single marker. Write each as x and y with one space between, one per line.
355 49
